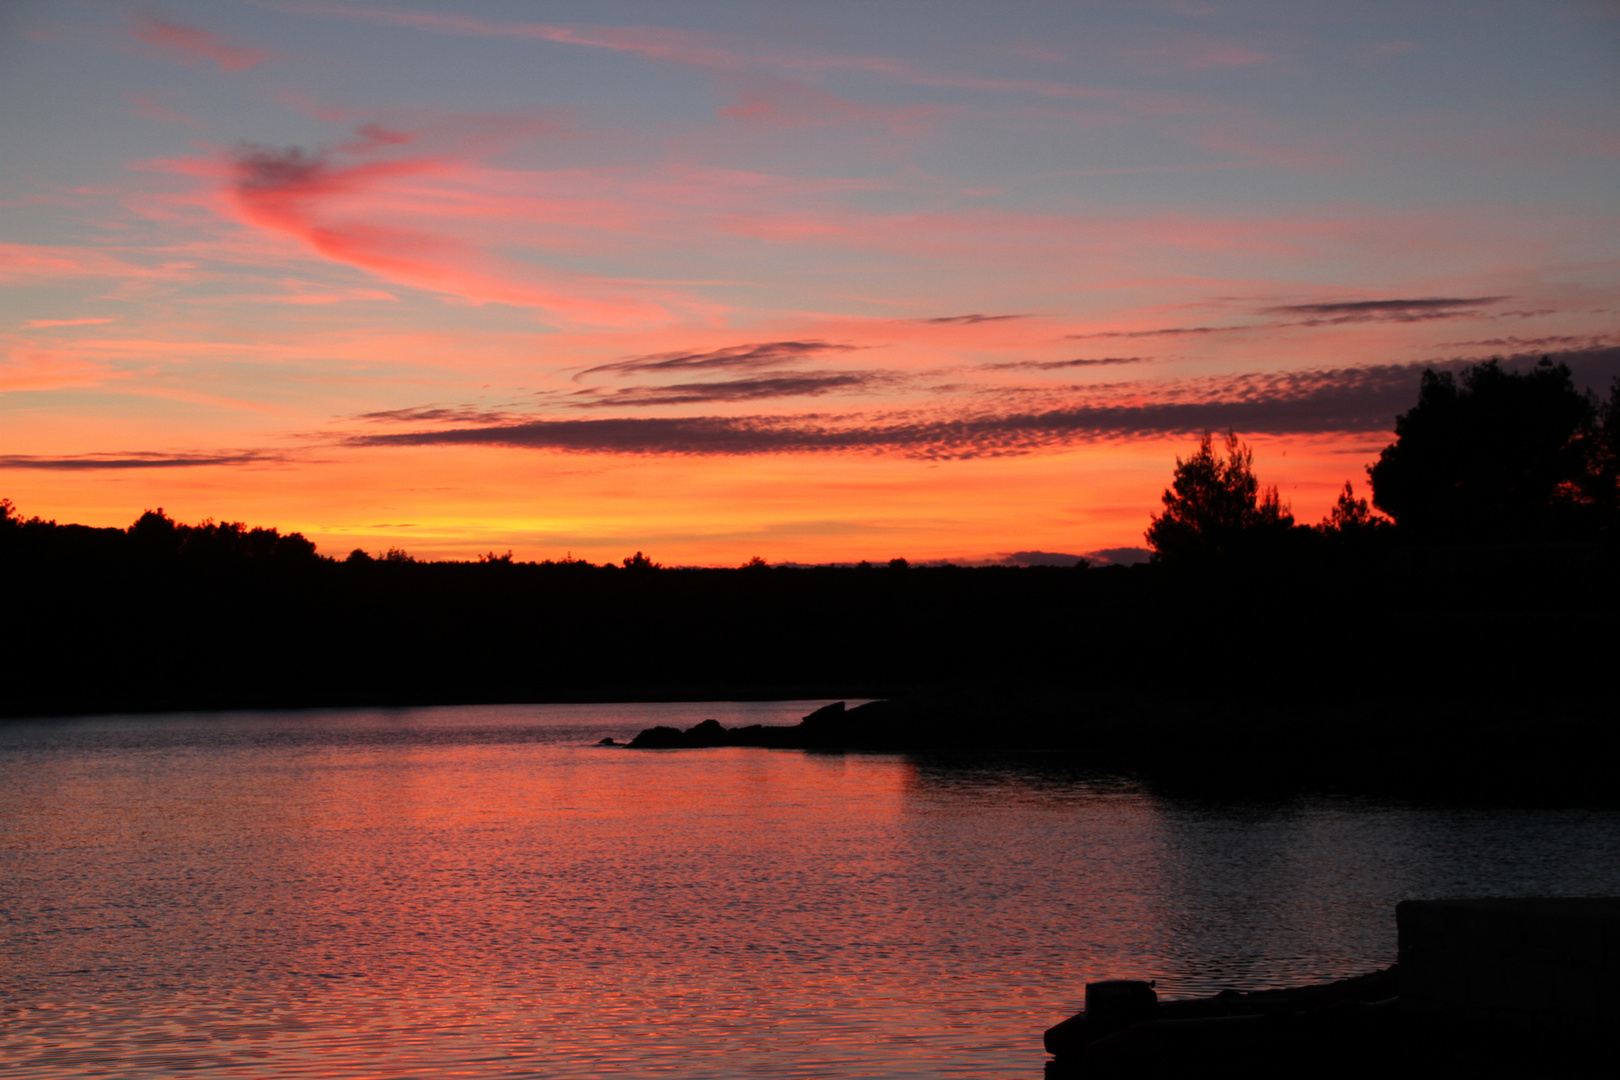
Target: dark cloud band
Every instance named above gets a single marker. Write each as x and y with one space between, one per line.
1427 307
967 320
1350 400
1057 365
434 414
808 384
85 462
1166 331
760 354
1418 309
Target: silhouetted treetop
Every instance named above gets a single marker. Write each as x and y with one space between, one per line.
1351 516
156 531
1601 485
156 539
1494 455
1215 507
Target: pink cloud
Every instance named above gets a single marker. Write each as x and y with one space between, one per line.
984 232
1201 55
786 103
701 50
30 262
343 203
36 324
31 368
152 110
191 45
677 45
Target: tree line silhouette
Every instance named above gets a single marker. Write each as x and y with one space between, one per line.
1484 568
1494 457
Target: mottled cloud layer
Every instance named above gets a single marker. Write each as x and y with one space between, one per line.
1361 400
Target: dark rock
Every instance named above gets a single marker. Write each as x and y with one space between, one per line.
659 738
708 733
877 725
752 735
607 742
828 716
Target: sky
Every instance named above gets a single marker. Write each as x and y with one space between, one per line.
812 282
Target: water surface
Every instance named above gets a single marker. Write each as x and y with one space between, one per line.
482 892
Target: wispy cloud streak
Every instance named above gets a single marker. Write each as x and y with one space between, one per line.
1423 309
705 51
134 460
1058 365
1334 313
434 414
1165 331
806 384
967 320
192 45
760 354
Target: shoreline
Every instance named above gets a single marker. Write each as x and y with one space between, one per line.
1522 750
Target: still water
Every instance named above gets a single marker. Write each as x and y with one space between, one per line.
482 892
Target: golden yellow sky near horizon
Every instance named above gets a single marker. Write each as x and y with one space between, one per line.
783 508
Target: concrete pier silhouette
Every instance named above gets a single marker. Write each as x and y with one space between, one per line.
1483 987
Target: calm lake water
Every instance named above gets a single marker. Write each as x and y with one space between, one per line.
482 892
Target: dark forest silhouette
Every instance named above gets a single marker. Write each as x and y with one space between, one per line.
1475 611
1501 455
1495 457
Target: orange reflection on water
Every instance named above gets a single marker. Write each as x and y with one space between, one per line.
481 892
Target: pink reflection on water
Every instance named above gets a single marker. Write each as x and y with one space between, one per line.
484 893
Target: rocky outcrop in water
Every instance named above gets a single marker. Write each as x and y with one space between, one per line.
872 726
1213 745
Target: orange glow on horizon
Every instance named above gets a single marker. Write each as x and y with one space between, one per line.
784 508
713 290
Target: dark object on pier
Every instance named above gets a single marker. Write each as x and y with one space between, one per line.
1521 987
1114 1004
1111 1005
1108 1037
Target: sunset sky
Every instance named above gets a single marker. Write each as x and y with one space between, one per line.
810 281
